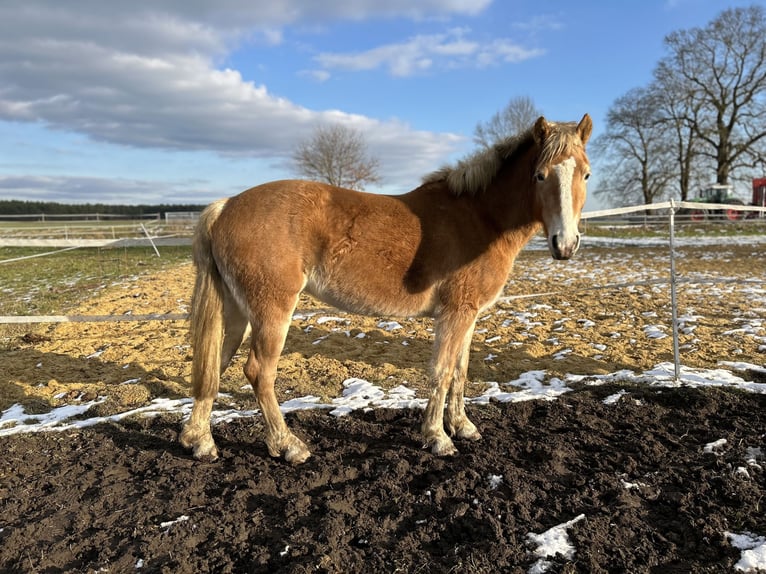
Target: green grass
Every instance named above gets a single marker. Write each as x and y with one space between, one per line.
52 284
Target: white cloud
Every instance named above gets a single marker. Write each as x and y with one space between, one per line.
540 23
316 75
450 50
137 75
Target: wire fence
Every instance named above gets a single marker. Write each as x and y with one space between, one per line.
671 209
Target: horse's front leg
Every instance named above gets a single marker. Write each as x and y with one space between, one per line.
457 422
433 421
452 332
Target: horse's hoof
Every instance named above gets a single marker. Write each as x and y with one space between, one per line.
297 452
469 433
289 447
189 436
474 436
442 446
206 451
466 431
200 442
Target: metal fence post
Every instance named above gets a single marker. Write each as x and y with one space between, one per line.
673 300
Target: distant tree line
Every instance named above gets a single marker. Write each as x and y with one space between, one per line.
701 120
12 207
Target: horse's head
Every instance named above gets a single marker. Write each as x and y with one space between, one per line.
560 175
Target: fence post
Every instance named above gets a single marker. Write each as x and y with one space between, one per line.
149 237
673 300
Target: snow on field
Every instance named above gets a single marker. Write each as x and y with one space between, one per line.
551 542
753 551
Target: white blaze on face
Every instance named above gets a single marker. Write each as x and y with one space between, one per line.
564 225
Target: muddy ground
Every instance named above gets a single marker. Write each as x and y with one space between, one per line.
124 497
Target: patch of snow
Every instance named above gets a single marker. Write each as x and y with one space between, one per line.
323 320
753 557
655 331
495 480
742 471
182 518
361 394
551 542
532 387
614 399
631 485
740 366
389 325
663 375
713 447
15 417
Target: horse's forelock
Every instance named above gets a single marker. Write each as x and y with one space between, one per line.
563 139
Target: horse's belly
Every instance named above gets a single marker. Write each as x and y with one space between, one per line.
370 295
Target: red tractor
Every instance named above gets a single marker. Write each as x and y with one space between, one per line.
759 195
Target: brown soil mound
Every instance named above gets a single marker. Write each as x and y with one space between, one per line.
125 498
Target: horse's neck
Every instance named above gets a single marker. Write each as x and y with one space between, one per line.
509 202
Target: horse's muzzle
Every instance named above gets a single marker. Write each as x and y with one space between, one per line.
563 250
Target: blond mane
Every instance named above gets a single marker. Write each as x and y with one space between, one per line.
475 173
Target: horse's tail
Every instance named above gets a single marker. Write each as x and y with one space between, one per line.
206 316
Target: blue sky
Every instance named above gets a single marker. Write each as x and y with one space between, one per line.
185 101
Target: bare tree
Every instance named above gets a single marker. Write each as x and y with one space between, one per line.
722 69
517 116
337 155
679 113
634 152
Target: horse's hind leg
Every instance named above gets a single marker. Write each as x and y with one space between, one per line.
267 340
236 327
196 433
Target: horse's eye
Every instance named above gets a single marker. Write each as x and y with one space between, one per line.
540 176
586 176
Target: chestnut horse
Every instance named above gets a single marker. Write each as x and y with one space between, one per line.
444 250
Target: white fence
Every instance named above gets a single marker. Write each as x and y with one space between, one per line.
670 206
76 216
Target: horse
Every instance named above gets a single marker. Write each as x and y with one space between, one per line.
443 250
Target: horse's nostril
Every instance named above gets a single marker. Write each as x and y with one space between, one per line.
555 243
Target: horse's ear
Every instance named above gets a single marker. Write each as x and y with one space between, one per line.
540 131
584 128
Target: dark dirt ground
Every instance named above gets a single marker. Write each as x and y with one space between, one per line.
371 500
